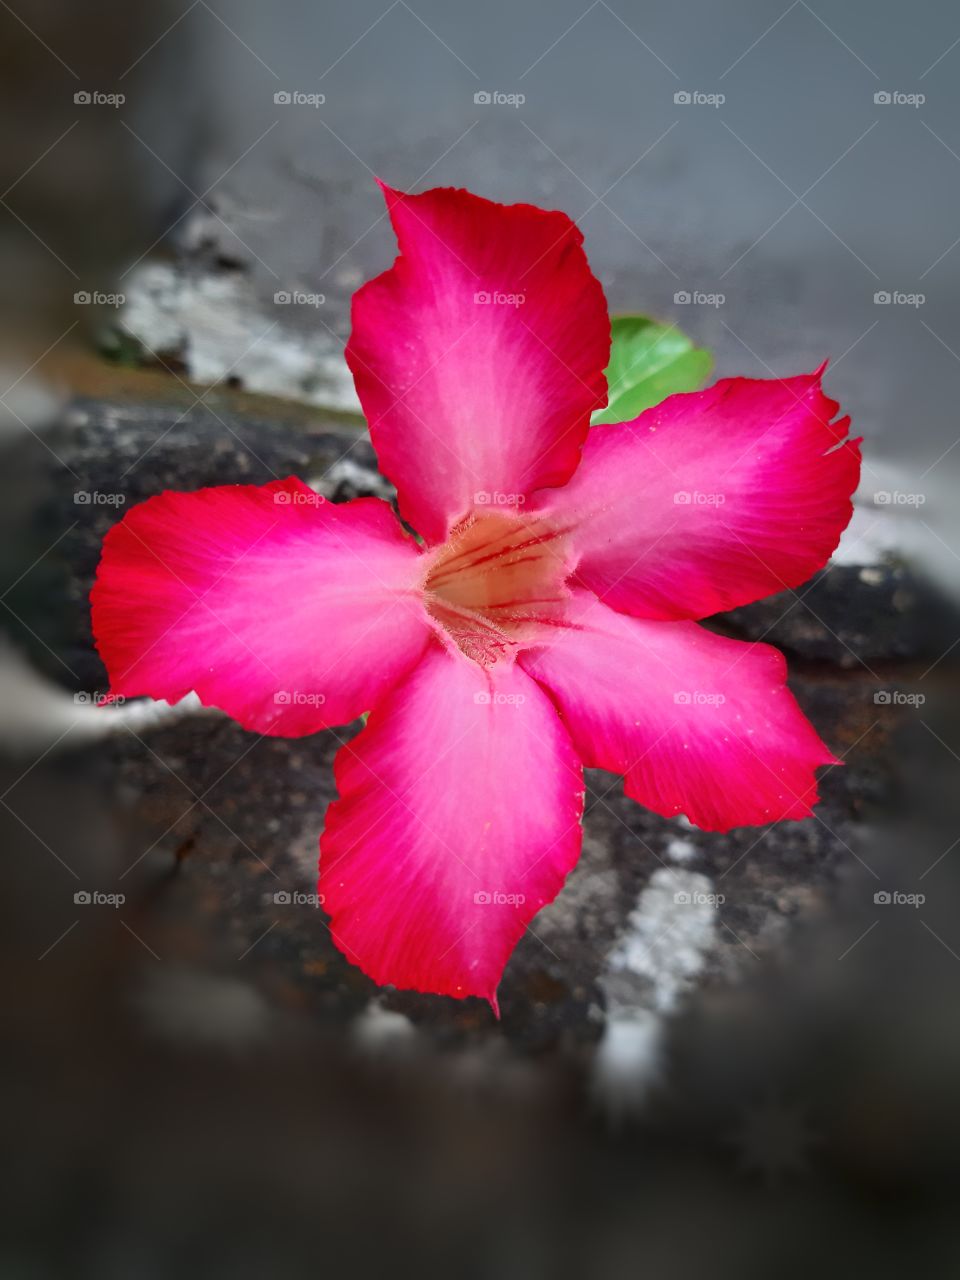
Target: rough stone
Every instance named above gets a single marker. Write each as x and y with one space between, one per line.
207 871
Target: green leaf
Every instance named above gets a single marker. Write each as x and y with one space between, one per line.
648 362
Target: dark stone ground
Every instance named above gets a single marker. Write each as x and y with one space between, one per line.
184 1089
218 864
191 1081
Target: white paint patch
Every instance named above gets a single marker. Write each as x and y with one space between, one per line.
362 478
628 1060
379 1030
668 935
902 515
878 534
681 850
29 405
38 715
655 963
219 328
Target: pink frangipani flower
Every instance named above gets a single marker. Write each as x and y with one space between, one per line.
545 620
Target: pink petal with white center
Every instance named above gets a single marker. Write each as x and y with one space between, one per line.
285 611
712 499
697 724
458 819
479 356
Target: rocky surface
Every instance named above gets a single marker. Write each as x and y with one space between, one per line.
221 826
206 318
853 617
195 1081
196 1077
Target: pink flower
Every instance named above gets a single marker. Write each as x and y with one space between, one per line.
548 620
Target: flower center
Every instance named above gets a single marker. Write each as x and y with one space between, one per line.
496 582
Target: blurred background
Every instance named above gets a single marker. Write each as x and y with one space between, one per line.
196 1082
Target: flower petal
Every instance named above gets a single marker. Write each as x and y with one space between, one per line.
288 612
712 499
479 355
697 724
459 818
